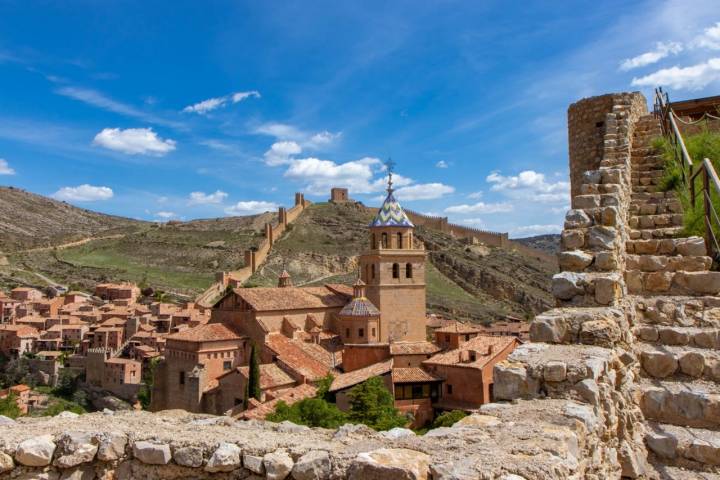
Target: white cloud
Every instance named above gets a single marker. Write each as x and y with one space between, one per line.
279 130
530 185
166 215
475 195
473 222
250 207
537 229
281 153
662 50
201 198
481 207
134 141
423 191
285 132
240 96
442 164
321 139
216 102
5 168
694 77
709 39
83 193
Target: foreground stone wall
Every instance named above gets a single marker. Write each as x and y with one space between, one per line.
526 440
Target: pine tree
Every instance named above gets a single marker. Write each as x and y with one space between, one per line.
372 403
254 375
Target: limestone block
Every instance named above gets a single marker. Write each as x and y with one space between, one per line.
707 283
278 465
555 371
6 462
609 200
83 472
606 261
513 381
577 219
477 420
189 456
601 332
566 285
673 336
608 289
647 333
152 453
575 260
398 432
385 463
632 461
6 420
36 452
691 246
610 216
659 364
586 201
692 363
592 176
707 339
602 237
314 465
572 239
589 391
549 327
225 458
704 452
111 446
658 281
254 463
75 448
662 444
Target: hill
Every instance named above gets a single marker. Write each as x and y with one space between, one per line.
547 243
470 281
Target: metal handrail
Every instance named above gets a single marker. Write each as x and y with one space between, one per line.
704 170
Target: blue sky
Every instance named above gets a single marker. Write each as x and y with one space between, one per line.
160 110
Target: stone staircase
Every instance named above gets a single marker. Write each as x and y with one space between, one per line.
677 327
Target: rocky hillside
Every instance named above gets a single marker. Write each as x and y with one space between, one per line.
468 281
547 243
28 220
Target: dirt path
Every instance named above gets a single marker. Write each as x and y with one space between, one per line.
71 244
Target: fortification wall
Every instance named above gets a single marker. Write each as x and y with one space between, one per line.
494 239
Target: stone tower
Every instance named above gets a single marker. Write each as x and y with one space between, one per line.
393 270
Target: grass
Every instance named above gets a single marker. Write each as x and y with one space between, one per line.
705 144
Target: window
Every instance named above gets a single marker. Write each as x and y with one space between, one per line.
472 356
182 378
373 245
372 271
396 270
447 338
399 240
408 270
238 401
467 337
373 331
347 333
449 389
384 240
227 365
361 332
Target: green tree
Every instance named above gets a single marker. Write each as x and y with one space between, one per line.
323 388
67 384
448 419
372 403
254 375
313 412
9 406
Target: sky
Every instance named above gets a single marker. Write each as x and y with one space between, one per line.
182 110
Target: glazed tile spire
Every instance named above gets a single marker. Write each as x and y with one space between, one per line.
391 214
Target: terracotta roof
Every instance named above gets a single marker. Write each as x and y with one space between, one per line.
20 330
413 375
340 288
360 307
413 348
122 361
479 345
19 388
391 214
459 327
290 396
210 332
271 376
433 321
350 379
292 354
290 298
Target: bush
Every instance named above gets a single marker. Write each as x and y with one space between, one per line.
313 412
448 419
9 406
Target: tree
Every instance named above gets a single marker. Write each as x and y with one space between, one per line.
323 388
448 419
372 403
9 406
313 412
254 375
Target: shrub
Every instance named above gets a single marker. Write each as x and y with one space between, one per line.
448 419
372 403
313 412
9 406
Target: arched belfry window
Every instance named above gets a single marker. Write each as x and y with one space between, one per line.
399 240
385 240
373 243
408 270
396 270
372 271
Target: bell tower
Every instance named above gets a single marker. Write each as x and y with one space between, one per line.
393 270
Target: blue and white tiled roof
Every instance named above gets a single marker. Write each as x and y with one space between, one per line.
391 214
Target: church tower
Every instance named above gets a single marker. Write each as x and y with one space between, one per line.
393 270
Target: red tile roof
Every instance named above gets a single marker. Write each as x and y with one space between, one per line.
291 298
292 354
271 376
484 347
290 396
350 379
459 327
210 332
413 375
413 348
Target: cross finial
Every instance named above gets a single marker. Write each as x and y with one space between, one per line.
390 165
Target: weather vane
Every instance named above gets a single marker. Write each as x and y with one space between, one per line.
390 165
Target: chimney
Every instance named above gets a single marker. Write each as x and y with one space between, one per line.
284 280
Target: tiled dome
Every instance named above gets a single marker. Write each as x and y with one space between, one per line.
391 214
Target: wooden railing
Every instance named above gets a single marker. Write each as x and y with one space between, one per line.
690 173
